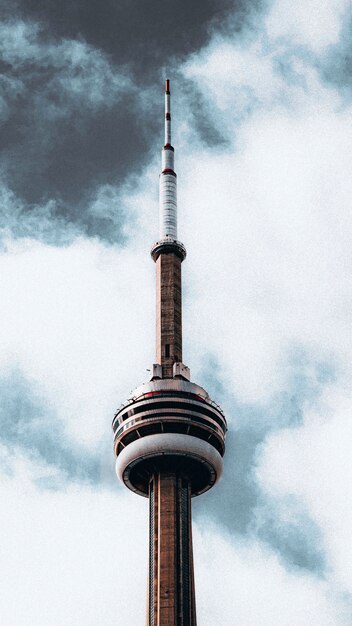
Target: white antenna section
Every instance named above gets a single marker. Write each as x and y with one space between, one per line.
168 183
167 114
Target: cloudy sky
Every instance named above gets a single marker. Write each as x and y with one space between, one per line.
262 105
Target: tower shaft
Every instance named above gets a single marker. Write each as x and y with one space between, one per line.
168 312
171 578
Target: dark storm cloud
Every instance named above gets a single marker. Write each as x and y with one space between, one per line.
82 100
60 142
142 34
238 502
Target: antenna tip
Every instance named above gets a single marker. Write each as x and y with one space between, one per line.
167 86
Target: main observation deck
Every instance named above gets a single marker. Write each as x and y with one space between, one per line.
173 423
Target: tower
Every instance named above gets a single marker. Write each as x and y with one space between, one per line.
169 436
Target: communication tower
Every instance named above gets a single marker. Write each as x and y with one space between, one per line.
169 436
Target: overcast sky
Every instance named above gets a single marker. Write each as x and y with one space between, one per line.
261 101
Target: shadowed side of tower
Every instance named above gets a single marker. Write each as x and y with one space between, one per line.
169 435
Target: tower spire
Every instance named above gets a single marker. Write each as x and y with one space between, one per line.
167 113
168 253
168 179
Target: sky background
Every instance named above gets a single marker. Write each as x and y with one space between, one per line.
261 102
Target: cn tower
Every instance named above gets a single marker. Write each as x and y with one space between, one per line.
169 436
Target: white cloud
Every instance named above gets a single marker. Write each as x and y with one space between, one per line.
268 222
273 254
69 557
270 274
235 78
313 464
245 582
75 327
311 23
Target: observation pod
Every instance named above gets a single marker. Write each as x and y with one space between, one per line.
169 423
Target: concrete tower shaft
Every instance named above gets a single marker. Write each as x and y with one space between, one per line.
168 312
171 598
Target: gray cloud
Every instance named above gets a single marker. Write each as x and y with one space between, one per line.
238 502
52 223
337 68
290 530
30 427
